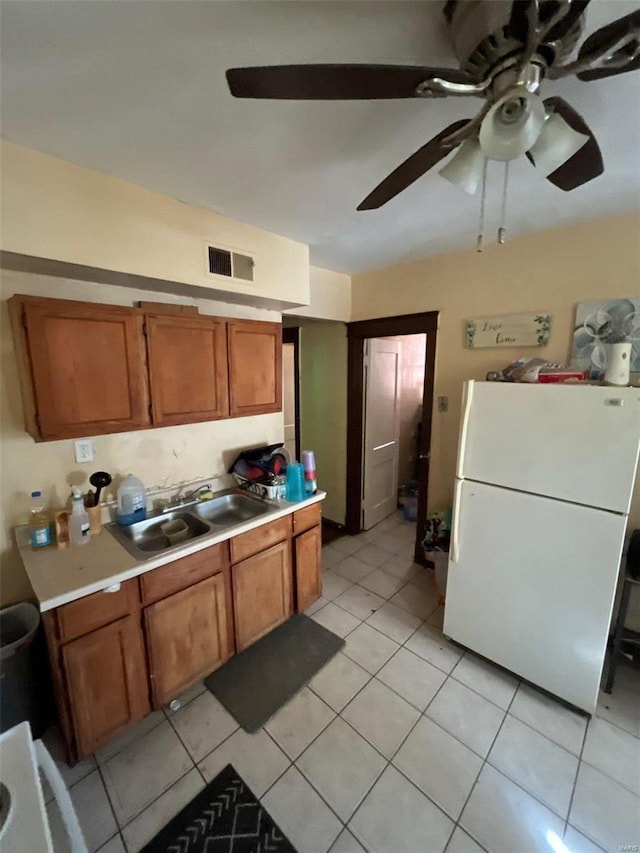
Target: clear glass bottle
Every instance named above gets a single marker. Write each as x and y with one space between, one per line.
40 531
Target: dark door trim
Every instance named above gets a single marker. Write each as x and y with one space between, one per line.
291 335
404 324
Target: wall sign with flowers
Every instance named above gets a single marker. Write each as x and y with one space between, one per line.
509 330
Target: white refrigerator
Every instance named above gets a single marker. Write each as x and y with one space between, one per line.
544 482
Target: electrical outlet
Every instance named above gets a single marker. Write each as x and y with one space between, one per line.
84 450
443 404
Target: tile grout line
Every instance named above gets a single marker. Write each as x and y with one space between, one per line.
337 714
153 801
482 766
575 780
110 801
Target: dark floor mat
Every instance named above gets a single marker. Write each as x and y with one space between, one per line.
255 684
224 817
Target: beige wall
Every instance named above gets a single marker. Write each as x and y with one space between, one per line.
160 457
323 408
56 210
330 296
549 271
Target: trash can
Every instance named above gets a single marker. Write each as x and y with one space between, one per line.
20 668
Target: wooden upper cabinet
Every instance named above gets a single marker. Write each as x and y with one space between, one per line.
87 365
84 367
255 367
187 368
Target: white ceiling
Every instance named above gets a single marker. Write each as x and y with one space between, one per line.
137 90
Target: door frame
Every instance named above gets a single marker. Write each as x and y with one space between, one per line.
357 332
291 335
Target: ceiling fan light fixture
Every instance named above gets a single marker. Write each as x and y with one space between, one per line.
465 168
512 125
557 143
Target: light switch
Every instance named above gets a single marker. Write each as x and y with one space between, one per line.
84 450
443 404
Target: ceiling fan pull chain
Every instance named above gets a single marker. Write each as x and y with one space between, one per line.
483 198
502 230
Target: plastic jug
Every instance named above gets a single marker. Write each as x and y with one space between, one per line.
40 532
132 501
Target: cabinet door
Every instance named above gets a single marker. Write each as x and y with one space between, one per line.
261 593
88 367
107 682
187 368
255 368
187 637
308 568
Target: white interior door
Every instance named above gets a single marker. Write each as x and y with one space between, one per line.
531 585
289 398
381 430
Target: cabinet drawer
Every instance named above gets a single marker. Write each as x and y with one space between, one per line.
306 518
247 544
93 611
164 581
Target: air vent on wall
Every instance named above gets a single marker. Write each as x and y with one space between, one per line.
231 264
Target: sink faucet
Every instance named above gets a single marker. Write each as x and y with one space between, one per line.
178 500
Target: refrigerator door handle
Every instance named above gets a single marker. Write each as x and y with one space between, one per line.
466 412
457 501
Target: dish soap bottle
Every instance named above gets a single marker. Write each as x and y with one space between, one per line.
132 501
40 532
79 519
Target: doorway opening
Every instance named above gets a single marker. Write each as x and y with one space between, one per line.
391 365
291 390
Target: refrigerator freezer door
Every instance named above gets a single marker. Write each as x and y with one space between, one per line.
532 586
572 442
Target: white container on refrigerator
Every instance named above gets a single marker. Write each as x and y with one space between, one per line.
545 478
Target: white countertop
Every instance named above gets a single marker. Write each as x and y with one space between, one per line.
61 575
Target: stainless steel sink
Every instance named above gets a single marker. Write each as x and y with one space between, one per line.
145 538
231 509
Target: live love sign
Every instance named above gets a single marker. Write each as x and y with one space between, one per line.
508 330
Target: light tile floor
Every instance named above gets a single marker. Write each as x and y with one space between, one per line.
402 743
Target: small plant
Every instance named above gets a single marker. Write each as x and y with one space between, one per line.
610 328
437 532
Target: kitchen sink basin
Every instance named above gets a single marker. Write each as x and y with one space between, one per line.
145 538
231 509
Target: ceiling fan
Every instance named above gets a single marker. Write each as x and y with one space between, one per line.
505 50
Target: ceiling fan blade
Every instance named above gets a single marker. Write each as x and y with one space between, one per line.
586 164
562 27
414 167
335 82
615 49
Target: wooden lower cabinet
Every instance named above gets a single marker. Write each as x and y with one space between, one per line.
187 637
106 677
308 568
261 593
196 612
